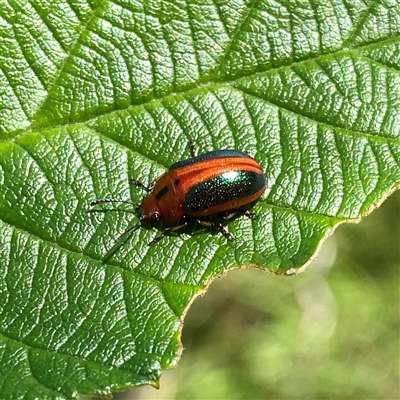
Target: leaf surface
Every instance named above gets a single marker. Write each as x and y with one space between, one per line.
95 93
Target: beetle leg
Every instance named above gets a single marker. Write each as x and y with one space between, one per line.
141 185
167 231
250 214
218 226
247 213
227 217
192 149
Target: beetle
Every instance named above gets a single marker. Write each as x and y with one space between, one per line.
218 182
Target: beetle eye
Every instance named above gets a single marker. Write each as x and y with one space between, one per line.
155 216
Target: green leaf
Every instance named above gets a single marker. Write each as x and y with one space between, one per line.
93 94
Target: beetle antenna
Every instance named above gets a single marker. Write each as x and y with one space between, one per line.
108 201
121 239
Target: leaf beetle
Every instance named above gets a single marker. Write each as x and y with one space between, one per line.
218 182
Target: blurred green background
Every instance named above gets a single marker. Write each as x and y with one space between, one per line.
329 333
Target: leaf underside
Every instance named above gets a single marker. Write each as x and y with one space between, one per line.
95 93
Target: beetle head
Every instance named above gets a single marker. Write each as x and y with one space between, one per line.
149 210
